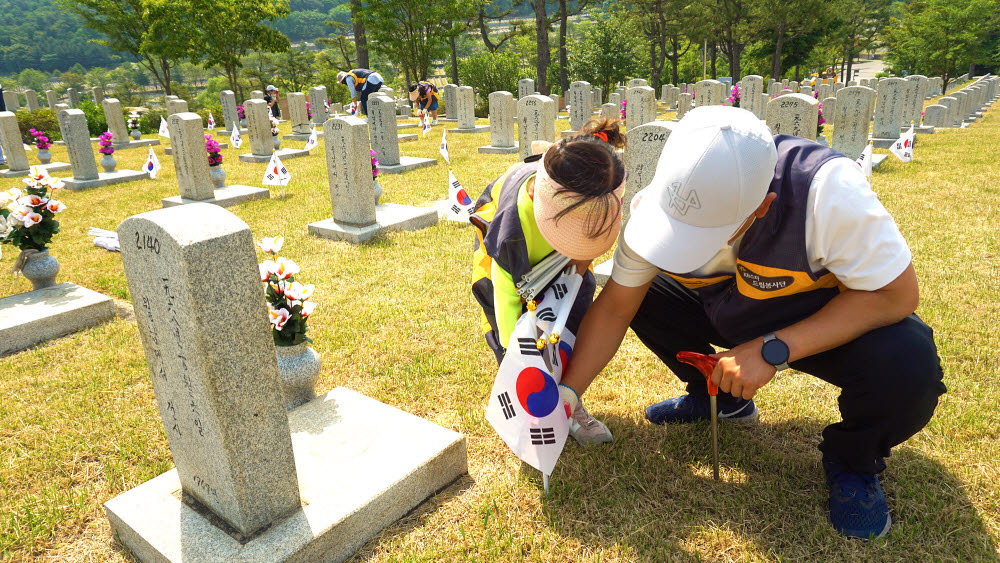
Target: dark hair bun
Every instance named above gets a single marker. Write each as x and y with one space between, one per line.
610 128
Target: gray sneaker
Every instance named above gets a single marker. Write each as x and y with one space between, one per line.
587 430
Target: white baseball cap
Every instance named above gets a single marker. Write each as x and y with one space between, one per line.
713 173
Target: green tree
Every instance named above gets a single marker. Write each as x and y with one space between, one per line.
491 72
611 51
33 79
411 33
940 37
152 31
229 30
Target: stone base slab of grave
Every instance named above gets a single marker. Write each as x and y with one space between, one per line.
476 129
283 154
883 143
924 129
105 179
50 168
361 464
224 133
37 316
388 217
63 143
447 120
300 136
136 144
490 149
169 151
878 159
408 137
407 125
406 163
224 197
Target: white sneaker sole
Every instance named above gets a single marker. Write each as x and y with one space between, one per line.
746 419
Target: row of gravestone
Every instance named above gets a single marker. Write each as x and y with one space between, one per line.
13 103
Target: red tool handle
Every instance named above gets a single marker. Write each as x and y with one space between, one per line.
705 364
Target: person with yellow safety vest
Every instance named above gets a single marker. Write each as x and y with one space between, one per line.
566 198
361 83
425 95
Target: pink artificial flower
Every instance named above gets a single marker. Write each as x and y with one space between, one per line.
278 317
55 206
31 218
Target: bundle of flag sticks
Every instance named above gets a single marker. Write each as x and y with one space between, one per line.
538 279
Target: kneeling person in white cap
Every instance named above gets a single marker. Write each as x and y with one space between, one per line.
777 250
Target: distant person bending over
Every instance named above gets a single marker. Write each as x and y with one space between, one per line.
426 96
362 83
567 200
271 97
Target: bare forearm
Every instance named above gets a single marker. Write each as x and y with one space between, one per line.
850 315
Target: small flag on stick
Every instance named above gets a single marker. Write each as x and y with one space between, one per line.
276 174
903 147
152 166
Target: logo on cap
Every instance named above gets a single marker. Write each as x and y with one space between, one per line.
682 203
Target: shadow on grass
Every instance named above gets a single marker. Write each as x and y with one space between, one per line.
651 493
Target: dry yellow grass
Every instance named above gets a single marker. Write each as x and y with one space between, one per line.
78 423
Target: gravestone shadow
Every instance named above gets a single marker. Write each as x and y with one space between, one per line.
652 493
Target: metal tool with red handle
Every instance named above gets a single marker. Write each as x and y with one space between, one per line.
706 365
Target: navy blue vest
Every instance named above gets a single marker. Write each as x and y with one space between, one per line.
773 286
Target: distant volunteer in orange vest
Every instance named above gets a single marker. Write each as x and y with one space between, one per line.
361 83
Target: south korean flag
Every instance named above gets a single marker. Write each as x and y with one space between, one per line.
524 407
444 145
152 166
312 141
865 161
276 174
164 129
235 137
903 147
211 121
459 203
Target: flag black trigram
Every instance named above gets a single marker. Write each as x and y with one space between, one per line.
456 209
528 348
455 184
542 436
546 314
505 406
559 290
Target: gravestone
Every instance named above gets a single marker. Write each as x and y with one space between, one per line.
773 89
829 109
169 97
450 103
253 482
31 99
335 109
683 105
187 141
635 82
502 139
888 112
10 100
708 93
525 87
256 95
317 103
615 98
299 116
261 140
750 94
853 116
806 90
13 146
963 105
837 86
73 126
356 217
610 111
385 140
176 106
580 109
465 101
559 106
98 93
935 116
596 97
793 86
851 83
230 115
918 92
784 83
793 114
51 99
536 122
640 106
115 119
824 91
73 96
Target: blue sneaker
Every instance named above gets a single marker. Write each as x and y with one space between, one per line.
857 503
691 408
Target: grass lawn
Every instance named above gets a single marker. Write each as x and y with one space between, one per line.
397 322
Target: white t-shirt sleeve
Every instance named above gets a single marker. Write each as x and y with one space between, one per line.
849 232
629 269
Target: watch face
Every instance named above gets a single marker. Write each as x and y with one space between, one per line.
775 352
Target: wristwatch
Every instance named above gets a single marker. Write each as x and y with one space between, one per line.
775 352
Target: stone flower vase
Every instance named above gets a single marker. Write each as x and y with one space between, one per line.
108 162
218 176
40 269
821 139
277 142
136 134
243 122
378 191
299 367
44 156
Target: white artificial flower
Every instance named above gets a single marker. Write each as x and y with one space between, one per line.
55 206
267 267
279 317
271 245
31 219
299 292
285 268
308 308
